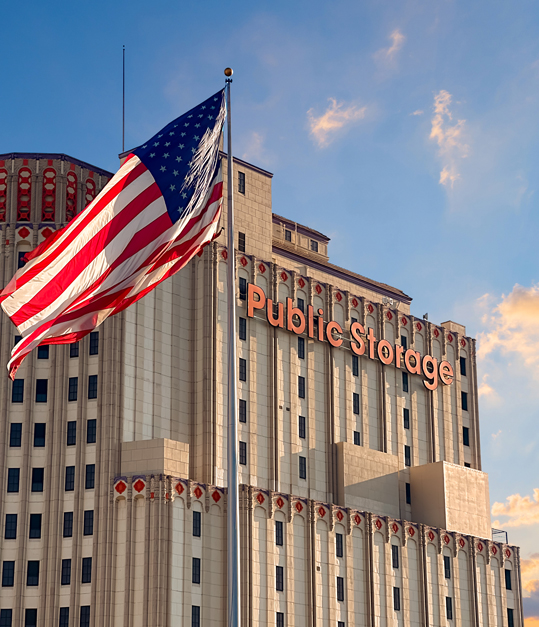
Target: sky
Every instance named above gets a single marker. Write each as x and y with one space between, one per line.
405 130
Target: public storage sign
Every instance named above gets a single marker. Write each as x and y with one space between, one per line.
361 343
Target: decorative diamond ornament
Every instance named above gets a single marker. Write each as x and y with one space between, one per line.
299 507
338 296
480 546
284 276
357 519
431 536
260 498
243 261
216 496
395 527
355 302
197 492
279 502
179 487
461 543
419 326
224 254
507 553
494 550
262 268
411 531
120 487
378 524
450 337
340 516
446 539
370 308
389 315
24 232
318 289
139 485
321 512
436 333
404 321
301 282
463 343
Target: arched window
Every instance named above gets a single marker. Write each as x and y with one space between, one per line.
24 194
90 190
3 194
71 195
48 204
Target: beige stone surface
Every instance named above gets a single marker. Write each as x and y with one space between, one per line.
158 456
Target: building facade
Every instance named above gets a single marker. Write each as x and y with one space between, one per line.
363 500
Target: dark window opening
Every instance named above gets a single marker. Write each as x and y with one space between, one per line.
301 427
406 417
355 365
408 494
85 616
340 589
70 479
91 431
94 343
92 386
301 305
279 537
357 438
17 391
405 382
301 387
301 347
73 388
449 608
243 410
355 402
241 242
66 573
463 366
18 338
243 288
197 524
41 390
396 599
242 330
195 570
71 433
35 526
15 434
464 401
241 182
30 617
302 467
195 616
32 573
68 525
86 570
64 617
37 479
339 545
467 465
314 246
5 618
89 522
8 574
404 342
407 456
447 567
89 483
10 531
74 349
508 582
466 436
287 235
13 475
43 352
39 434
279 578
395 555
510 618
243 453
243 369
279 619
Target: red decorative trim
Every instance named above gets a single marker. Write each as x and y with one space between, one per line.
284 276
24 194
370 308
507 553
430 535
338 296
301 282
48 201
463 343
243 261
480 546
389 315
419 326
340 516
260 498
494 550
411 531
46 232
90 189
357 519
262 268
321 512
355 302
450 337
404 321
318 289
120 487
299 507
179 488
436 333
446 539
279 502
216 496
395 527
378 524
197 492
139 485
224 254
3 193
461 543
24 232
71 194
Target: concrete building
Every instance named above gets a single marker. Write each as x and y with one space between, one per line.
363 500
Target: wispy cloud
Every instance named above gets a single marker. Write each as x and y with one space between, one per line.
254 149
397 40
336 116
512 327
495 436
418 112
450 138
521 510
484 388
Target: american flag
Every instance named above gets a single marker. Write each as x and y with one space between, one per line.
159 210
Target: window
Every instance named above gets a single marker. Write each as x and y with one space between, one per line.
64 617
301 427
407 456
302 467
35 526
195 616
279 578
89 522
395 556
241 182
406 417
39 434
5 618
287 235
449 608
66 573
447 567
463 366
510 618
92 386
196 570
68 525
352 319
243 453
279 539
339 547
243 369
89 483
8 574
30 617
10 531
243 329
74 349
32 573
508 582
37 479
94 343
396 599
91 431
355 365
340 623
301 305
42 352
71 433
197 524
466 436
41 390
15 434
464 400
86 570
243 288
20 258
279 619
241 242
340 589
85 616
73 388
70 479
13 479
17 391
314 246
357 438
18 338
301 347
467 465
408 494
404 342
301 387
405 382
243 410
356 403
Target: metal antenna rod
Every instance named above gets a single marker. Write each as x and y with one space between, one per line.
233 511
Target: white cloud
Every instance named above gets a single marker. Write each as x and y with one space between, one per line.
495 436
449 137
418 112
397 42
520 510
336 116
254 150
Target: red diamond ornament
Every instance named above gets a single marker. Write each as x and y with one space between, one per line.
370 308
197 492
299 507
24 232
284 276
243 261
357 519
179 487
279 502
395 527
461 543
262 268
480 546
446 539
322 512
411 531
120 487
340 516
318 289
355 302
338 296
301 282
418 326
260 498
378 524
139 485
216 496
431 536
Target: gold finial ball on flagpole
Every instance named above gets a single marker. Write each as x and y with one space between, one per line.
229 71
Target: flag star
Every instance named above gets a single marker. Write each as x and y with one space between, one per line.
180 145
201 115
178 159
204 107
210 117
152 154
163 169
186 124
184 195
193 150
175 125
171 133
183 134
215 100
167 144
197 125
145 146
172 188
165 155
213 107
197 137
190 116
176 172
156 144
159 136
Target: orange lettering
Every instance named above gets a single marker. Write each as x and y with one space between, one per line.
385 344
270 314
334 326
432 375
358 345
292 311
253 304
446 373
408 356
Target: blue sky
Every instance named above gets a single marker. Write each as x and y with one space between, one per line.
414 121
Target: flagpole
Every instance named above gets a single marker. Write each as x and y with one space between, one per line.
233 510
123 100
